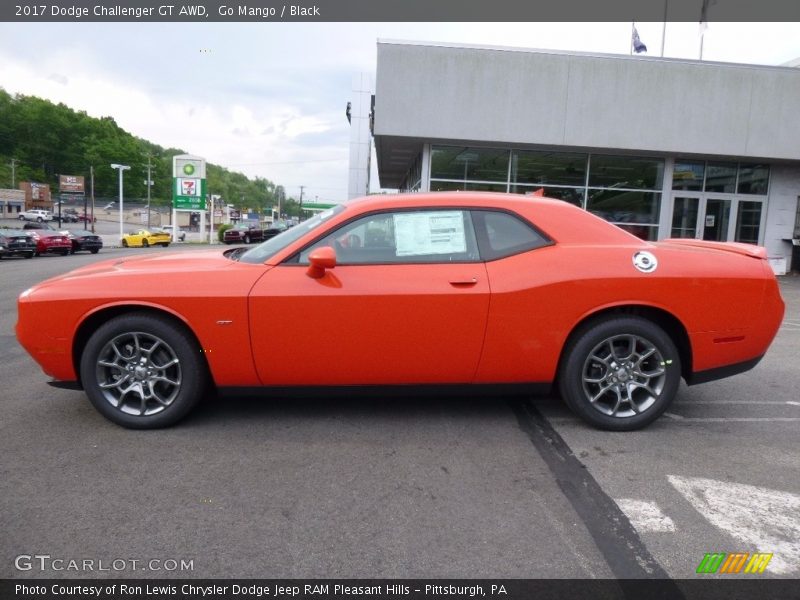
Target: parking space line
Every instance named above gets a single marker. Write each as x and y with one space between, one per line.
646 516
766 519
676 417
765 402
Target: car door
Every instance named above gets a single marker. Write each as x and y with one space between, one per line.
406 303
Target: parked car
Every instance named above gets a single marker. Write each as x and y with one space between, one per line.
37 225
243 233
486 291
35 214
84 240
70 215
274 230
48 241
17 243
146 237
179 236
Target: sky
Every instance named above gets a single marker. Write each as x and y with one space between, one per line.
268 99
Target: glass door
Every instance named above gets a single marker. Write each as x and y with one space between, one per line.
684 217
717 219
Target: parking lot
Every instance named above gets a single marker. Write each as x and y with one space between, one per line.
402 487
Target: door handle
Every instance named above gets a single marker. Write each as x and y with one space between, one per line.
464 282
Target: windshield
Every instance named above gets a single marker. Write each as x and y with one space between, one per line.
272 246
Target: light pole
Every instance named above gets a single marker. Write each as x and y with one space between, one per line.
120 168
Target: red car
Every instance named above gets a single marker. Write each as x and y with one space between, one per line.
51 241
476 290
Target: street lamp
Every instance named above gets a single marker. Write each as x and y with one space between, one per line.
120 168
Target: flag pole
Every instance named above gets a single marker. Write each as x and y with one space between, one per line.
664 29
630 50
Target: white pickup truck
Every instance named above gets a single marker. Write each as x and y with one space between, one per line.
36 214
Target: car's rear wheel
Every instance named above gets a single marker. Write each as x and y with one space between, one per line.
247 239
145 243
124 243
165 244
94 250
143 371
620 373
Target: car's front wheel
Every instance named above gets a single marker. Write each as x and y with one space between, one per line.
620 373
145 243
142 371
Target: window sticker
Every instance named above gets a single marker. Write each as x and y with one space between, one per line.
439 232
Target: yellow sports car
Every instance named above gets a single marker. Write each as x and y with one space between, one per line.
145 238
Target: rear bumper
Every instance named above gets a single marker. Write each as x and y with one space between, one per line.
722 372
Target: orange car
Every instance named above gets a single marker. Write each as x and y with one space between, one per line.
454 290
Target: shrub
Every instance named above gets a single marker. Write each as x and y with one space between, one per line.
221 231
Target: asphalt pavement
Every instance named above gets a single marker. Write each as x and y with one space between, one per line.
401 487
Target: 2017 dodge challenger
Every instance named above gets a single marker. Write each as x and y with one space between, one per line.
476 290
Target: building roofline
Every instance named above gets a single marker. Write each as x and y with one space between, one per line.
462 46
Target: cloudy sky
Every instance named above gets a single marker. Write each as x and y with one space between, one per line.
268 99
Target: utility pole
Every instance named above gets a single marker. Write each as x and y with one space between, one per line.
91 179
149 185
13 172
300 216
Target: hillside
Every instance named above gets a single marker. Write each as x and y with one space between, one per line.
47 139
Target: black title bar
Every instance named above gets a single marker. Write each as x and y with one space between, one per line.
397 11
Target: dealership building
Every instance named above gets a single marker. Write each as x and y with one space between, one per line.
662 147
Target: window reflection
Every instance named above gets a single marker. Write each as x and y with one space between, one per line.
630 172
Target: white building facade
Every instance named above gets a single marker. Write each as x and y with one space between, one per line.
661 147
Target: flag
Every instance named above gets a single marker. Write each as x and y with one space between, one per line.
638 46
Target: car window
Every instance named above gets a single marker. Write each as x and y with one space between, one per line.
421 236
501 234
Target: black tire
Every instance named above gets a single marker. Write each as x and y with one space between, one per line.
39 219
21 218
165 244
145 243
247 239
94 250
124 243
29 255
610 361
187 377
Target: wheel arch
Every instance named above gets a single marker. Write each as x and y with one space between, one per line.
671 325
92 321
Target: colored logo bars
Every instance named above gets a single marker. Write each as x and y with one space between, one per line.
734 562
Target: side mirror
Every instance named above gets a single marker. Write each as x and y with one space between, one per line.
319 260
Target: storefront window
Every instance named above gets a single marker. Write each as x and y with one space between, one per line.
688 175
636 212
748 222
753 179
481 164
449 186
721 178
628 172
553 168
571 195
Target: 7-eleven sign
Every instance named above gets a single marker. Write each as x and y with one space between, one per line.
189 187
